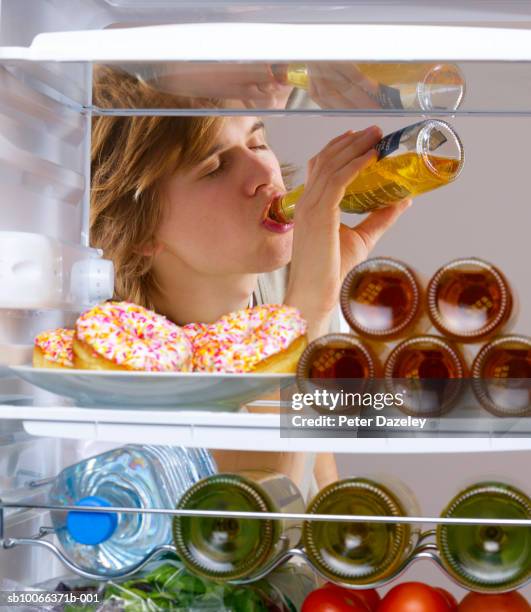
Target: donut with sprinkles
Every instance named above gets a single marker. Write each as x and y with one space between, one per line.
54 349
125 336
266 338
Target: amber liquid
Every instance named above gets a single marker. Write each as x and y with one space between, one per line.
435 371
414 85
426 362
502 376
469 303
380 301
388 73
339 363
386 182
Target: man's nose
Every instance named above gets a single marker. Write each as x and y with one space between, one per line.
260 172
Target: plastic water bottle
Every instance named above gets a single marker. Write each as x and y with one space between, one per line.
131 476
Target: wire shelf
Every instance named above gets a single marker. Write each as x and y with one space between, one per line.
425 549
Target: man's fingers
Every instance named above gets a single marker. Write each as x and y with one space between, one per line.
371 229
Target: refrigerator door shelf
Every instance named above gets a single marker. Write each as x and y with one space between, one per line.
39 272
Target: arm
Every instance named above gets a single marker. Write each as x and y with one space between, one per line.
325 470
324 250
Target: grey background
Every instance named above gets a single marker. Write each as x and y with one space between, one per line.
485 213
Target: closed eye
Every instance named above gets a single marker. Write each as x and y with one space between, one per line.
223 163
218 170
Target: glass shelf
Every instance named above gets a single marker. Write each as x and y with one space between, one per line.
232 68
240 430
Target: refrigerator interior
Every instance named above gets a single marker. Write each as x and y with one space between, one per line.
45 121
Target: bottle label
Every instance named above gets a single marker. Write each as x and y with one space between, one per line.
406 137
375 198
389 97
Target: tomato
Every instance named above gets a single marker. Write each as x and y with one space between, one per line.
369 597
414 597
450 599
504 602
333 600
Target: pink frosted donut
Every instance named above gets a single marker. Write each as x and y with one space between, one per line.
125 336
244 340
54 349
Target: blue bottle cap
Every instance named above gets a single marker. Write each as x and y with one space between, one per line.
91 527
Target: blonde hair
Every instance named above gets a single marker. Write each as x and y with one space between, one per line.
130 157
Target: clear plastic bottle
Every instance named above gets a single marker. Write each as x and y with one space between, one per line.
487 558
130 476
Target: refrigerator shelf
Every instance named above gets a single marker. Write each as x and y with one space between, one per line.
252 42
426 549
494 64
241 431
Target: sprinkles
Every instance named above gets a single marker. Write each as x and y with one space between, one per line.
56 346
135 338
239 341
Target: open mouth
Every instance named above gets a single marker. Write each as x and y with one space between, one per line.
269 221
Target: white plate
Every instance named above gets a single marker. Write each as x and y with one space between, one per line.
153 389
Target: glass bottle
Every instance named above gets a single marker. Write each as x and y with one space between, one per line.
487 558
429 372
337 362
501 376
382 299
411 161
232 548
360 553
469 300
407 85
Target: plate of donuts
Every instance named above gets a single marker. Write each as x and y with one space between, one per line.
123 355
181 390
